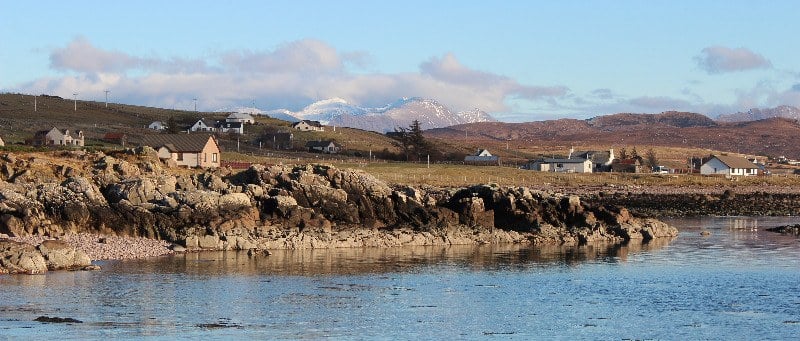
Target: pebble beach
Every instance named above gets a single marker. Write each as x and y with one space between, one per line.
105 247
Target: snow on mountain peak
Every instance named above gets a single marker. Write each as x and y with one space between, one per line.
337 111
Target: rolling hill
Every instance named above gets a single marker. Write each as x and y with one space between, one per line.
770 137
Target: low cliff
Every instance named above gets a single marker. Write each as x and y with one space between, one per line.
133 194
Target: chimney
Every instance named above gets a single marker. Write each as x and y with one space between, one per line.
611 157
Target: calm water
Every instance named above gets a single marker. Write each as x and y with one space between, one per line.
738 283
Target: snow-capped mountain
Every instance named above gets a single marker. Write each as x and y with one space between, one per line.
755 114
475 115
327 110
338 112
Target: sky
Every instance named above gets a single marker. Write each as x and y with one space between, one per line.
517 60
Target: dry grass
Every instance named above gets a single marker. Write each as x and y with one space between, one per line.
460 175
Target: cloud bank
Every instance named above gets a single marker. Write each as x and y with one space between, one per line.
290 76
720 59
300 72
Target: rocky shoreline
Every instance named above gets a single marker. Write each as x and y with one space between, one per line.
724 202
91 198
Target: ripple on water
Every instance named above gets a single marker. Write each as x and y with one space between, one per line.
732 284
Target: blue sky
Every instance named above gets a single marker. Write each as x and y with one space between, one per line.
518 60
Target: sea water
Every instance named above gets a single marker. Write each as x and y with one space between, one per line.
740 282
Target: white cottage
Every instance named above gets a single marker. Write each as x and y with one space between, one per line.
203 125
230 127
329 147
562 165
158 125
240 117
308 125
482 157
55 137
729 165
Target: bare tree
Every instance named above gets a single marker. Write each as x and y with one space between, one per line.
651 159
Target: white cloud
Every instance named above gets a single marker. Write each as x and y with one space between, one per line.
289 76
80 55
720 59
302 56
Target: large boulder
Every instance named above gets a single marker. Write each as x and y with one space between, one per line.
16 257
60 255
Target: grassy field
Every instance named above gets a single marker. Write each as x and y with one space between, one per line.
460 175
457 175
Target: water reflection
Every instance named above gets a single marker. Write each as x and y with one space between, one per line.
693 287
348 261
743 224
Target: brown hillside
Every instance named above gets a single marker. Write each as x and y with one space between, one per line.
19 121
771 137
669 118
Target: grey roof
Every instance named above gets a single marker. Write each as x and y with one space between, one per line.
579 160
181 143
736 162
481 158
207 122
594 155
309 122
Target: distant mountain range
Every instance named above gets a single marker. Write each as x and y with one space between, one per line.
756 114
771 136
338 112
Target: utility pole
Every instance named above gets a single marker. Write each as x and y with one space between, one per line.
106 98
75 101
34 103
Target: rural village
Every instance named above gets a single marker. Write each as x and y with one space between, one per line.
206 140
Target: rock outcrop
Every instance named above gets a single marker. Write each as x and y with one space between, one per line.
16 257
786 229
312 206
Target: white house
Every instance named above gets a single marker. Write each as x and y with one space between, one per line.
232 127
203 125
158 125
601 160
562 165
308 125
241 118
55 137
329 147
482 157
729 165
